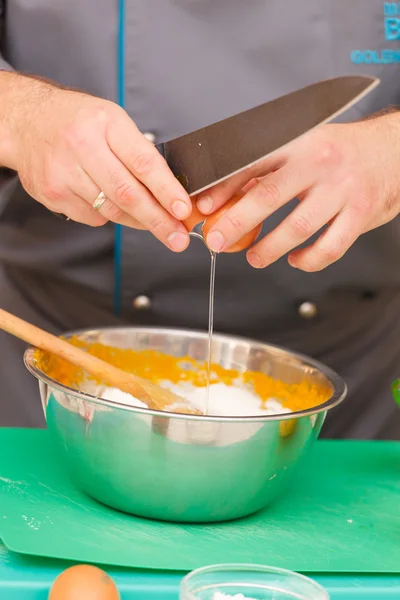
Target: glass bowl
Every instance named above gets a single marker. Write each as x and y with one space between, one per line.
249 582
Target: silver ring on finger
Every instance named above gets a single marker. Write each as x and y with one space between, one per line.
98 203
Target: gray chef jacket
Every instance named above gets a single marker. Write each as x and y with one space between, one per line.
177 65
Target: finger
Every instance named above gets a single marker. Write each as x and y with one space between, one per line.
55 194
76 209
331 245
270 193
129 221
249 185
114 214
310 215
85 187
215 197
132 197
62 200
144 161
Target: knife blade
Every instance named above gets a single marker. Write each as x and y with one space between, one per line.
209 155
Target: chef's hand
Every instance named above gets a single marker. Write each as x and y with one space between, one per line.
67 147
347 177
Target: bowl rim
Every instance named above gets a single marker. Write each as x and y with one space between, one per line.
337 382
250 568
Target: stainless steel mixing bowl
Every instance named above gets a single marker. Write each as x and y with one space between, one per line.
177 467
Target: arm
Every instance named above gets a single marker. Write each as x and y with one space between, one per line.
8 92
7 175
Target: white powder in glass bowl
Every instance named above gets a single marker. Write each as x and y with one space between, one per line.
221 596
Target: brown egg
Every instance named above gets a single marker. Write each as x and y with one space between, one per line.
246 240
197 217
84 582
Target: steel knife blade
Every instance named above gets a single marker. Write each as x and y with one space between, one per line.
209 155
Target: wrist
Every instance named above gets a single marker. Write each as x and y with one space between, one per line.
22 99
8 90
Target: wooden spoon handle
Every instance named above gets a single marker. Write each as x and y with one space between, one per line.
152 395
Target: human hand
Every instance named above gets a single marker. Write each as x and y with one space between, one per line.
346 177
67 147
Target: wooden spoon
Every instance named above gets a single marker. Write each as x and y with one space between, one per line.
154 396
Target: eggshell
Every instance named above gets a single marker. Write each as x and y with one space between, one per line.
210 220
246 241
195 218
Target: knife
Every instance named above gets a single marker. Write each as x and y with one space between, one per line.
207 156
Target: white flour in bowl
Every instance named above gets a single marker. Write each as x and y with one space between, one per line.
224 400
109 393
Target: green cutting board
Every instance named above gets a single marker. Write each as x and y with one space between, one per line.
341 514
